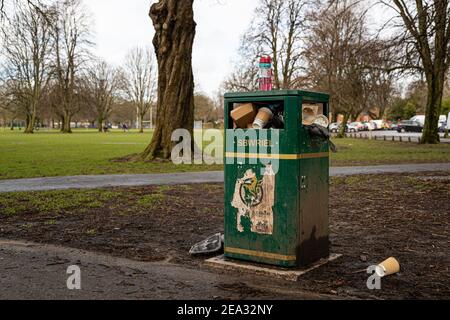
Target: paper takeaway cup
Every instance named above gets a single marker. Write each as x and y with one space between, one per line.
262 118
308 116
388 267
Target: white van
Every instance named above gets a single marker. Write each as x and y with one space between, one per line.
377 124
421 119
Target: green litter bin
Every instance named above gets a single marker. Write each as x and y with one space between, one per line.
276 182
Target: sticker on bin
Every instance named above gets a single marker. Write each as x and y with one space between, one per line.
254 198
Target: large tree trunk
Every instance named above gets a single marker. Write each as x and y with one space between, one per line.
434 104
31 119
66 119
175 31
29 123
141 124
100 125
341 133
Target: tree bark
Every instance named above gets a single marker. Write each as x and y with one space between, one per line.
31 118
141 124
434 104
174 37
65 126
100 125
341 133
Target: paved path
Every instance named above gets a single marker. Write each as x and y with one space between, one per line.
102 181
34 271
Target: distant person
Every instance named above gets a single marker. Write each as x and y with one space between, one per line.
125 127
105 128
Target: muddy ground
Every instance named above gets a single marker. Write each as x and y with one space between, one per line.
372 218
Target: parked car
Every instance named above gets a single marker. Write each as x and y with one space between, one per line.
409 126
354 127
368 126
393 126
334 127
360 126
443 127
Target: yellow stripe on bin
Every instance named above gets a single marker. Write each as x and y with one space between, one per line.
261 254
277 156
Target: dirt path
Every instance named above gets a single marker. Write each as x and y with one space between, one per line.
134 180
33 271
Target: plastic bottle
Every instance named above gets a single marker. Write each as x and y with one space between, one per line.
265 74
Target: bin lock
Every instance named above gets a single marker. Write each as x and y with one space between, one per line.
303 182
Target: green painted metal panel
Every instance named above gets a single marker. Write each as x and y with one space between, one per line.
276 211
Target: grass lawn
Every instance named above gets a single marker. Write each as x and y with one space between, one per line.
353 152
84 152
87 152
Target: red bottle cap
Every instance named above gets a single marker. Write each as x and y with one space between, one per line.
265 59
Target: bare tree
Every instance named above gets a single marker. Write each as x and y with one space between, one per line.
7 111
205 108
425 38
244 77
140 75
36 4
102 86
344 60
382 81
277 29
26 51
71 35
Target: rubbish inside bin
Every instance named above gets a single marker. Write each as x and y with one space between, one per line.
264 116
317 130
309 115
244 115
322 121
311 109
278 121
208 246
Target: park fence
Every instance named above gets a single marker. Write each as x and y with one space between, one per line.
370 136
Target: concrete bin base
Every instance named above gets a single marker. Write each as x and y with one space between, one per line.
222 263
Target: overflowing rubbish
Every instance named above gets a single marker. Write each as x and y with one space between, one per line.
309 115
271 116
258 116
388 267
244 115
322 121
317 124
210 245
264 116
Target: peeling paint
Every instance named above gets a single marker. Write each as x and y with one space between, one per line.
255 199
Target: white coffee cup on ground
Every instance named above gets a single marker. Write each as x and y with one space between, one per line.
263 117
387 267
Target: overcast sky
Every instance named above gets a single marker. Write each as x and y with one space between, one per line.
121 25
